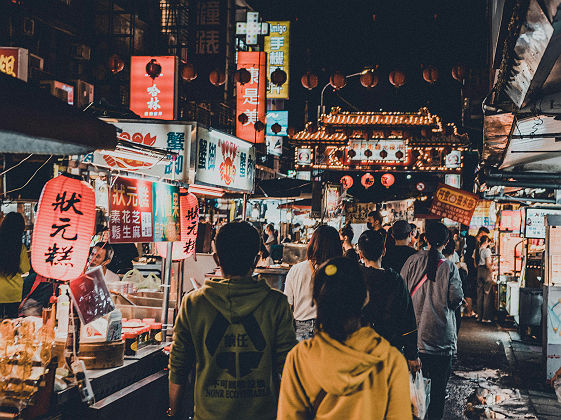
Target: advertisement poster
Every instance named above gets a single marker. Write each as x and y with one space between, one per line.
274 145
535 222
277 47
483 215
173 137
90 295
167 220
454 204
224 161
130 211
153 98
251 96
358 212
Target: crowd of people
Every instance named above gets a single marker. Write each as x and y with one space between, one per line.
342 338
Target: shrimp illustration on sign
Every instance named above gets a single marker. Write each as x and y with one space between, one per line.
227 167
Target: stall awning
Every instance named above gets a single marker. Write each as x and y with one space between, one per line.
33 121
305 204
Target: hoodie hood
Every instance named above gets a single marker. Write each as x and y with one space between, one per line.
350 363
236 298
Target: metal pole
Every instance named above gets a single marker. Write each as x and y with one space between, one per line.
320 109
167 274
244 207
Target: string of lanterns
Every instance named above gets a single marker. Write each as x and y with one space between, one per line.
367 180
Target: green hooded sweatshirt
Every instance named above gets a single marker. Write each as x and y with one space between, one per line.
238 333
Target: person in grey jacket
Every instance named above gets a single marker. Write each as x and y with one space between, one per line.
436 291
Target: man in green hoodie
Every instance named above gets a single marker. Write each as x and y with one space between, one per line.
237 331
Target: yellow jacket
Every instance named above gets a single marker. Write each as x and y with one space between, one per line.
364 378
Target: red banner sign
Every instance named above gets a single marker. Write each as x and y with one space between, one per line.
63 228
14 62
130 211
454 204
251 96
153 98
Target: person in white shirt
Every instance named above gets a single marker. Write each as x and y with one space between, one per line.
485 296
101 255
299 286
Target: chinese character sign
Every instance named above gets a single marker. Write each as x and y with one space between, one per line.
277 47
454 204
13 62
130 211
224 161
167 220
189 210
63 228
251 96
153 98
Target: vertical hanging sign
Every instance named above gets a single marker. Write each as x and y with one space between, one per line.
251 96
277 47
153 97
167 221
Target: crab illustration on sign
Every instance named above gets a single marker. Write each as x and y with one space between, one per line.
227 167
131 164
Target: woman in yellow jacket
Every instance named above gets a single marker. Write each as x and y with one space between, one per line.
345 371
13 263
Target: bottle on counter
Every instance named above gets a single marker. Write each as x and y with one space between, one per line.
62 312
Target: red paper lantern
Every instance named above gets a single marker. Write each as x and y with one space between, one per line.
399 154
351 153
387 180
383 154
217 77
279 77
188 72
425 132
367 180
259 126
276 128
459 72
153 68
397 78
189 212
243 118
347 181
291 131
368 153
369 79
430 74
116 64
63 228
337 80
242 76
309 80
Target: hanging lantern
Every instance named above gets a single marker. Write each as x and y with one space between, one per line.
188 72
337 80
368 153
397 78
153 69
291 131
276 128
347 181
279 77
367 180
387 180
309 80
242 76
217 77
259 126
399 154
369 79
425 132
116 64
430 74
243 118
63 228
459 72
351 153
189 213
383 154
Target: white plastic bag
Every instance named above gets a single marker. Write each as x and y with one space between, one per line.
151 281
420 394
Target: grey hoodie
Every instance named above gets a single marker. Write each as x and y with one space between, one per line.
434 304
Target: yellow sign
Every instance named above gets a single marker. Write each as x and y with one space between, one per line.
277 46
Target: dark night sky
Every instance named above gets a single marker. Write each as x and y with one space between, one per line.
350 35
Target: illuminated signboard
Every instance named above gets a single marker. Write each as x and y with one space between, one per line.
277 47
454 180
251 96
274 145
454 204
280 118
535 222
252 28
374 150
304 156
14 62
153 98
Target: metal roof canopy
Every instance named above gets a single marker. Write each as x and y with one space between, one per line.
33 121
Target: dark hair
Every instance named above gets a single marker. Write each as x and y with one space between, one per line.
109 251
11 233
237 245
484 239
339 292
401 230
483 229
371 244
325 244
271 227
347 231
450 247
376 215
437 235
423 239
264 252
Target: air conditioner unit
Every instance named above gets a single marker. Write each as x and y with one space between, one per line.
61 90
28 26
83 94
81 52
36 62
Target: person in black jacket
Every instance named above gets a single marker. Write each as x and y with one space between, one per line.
389 310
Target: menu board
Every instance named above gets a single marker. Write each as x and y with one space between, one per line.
535 222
